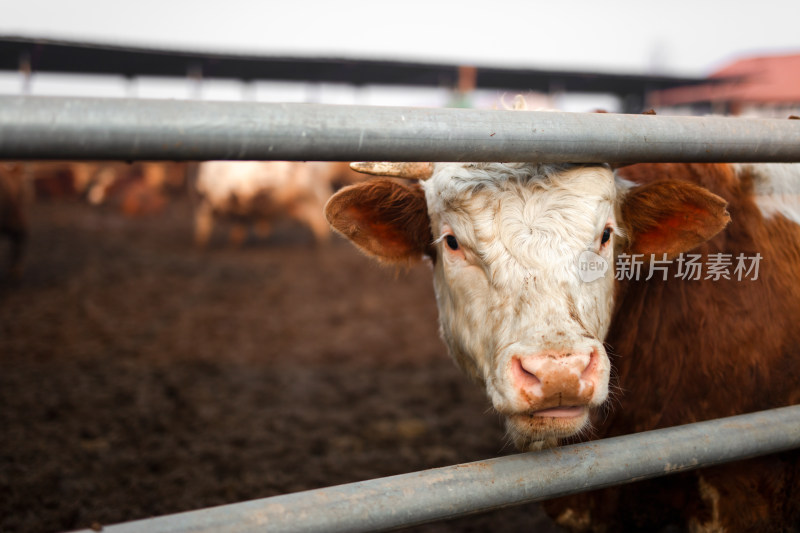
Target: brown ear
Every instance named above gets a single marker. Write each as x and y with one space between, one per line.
384 218
671 216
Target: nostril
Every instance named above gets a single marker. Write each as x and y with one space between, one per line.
591 367
523 376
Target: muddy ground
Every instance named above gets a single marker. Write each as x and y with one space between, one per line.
140 376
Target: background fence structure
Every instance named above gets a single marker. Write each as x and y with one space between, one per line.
62 128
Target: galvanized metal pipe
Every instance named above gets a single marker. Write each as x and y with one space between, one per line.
453 491
128 129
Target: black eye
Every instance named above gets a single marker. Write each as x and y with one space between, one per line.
452 243
606 236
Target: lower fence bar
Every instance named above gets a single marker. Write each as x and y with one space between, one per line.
442 493
128 129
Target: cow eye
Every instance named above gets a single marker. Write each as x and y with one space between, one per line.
451 241
606 236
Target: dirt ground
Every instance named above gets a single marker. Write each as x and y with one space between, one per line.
140 376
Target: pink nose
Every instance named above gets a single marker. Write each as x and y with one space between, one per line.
553 379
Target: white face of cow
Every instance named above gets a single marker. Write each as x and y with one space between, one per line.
513 308
516 310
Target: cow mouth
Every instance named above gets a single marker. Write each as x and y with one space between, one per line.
561 412
532 429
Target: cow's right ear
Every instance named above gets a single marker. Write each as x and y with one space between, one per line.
385 218
671 217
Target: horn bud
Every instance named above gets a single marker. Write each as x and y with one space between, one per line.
419 171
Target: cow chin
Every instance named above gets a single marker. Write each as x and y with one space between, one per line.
536 431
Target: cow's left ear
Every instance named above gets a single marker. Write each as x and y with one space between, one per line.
671 217
385 218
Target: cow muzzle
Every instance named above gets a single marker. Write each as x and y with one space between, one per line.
553 391
555 384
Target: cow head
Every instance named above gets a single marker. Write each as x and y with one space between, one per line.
506 240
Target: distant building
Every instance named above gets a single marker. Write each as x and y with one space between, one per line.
764 86
50 67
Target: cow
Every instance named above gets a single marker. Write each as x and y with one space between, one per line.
537 302
261 193
52 180
13 223
136 189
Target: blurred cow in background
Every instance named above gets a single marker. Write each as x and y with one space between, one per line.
12 213
139 188
58 179
261 193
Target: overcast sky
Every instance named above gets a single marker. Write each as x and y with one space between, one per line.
683 37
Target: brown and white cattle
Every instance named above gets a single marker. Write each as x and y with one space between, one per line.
138 188
563 356
53 180
13 224
260 193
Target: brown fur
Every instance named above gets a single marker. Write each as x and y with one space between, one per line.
687 351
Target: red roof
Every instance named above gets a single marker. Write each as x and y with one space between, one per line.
765 80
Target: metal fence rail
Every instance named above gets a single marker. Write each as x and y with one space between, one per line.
92 128
441 493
